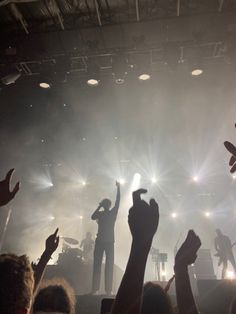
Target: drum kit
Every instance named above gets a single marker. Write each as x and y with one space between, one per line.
70 253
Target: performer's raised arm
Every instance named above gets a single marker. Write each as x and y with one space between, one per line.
117 202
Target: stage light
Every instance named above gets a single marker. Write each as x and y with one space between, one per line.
234 176
207 214
195 178
81 217
52 217
196 71
84 183
229 274
92 82
122 181
144 77
44 85
136 181
154 180
173 215
137 176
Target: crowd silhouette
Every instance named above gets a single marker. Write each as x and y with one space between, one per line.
23 291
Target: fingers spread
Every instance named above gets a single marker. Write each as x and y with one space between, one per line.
9 175
16 189
232 160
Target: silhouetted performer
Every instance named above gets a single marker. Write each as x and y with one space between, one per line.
106 219
87 245
223 247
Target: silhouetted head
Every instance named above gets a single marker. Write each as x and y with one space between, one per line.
106 204
16 284
88 235
155 300
218 232
55 295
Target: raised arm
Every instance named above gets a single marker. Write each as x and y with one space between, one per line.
6 195
95 215
143 222
51 245
186 256
117 202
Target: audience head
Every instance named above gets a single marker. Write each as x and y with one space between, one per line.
16 284
155 300
55 295
106 203
218 232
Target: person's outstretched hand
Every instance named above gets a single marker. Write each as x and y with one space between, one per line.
52 243
143 218
232 149
6 195
187 253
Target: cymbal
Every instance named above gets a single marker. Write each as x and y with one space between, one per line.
71 241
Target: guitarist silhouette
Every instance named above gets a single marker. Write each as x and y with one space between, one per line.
224 251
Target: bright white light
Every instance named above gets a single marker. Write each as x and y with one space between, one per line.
144 77
229 274
84 183
154 180
122 181
195 178
42 182
81 217
173 215
136 181
234 176
52 217
197 72
92 82
163 273
137 176
44 85
207 214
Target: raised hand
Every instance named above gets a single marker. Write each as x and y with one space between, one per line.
187 253
232 149
118 184
143 217
52 243
6 195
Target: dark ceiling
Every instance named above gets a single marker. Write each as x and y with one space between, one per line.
70 35
44 15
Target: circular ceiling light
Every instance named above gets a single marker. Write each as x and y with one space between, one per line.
44 85
144 77
92 82
197 72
